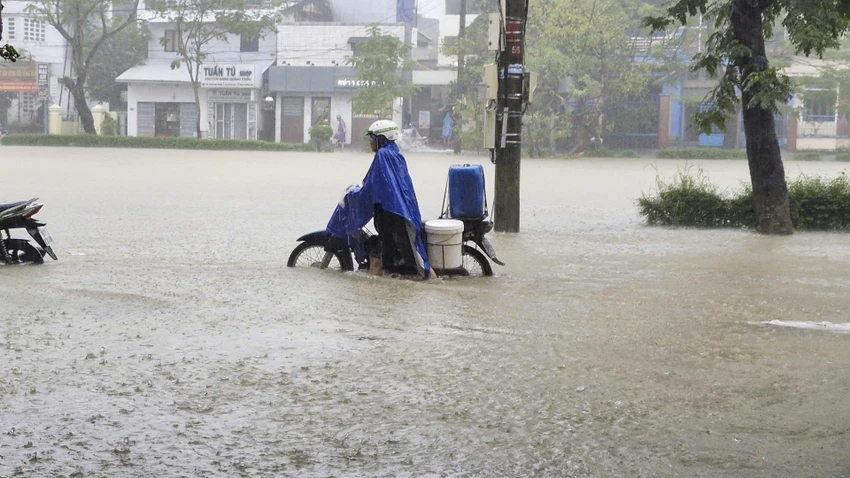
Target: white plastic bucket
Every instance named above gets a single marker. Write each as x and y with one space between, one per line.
445 243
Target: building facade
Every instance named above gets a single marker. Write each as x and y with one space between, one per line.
311 83
161 99
35 78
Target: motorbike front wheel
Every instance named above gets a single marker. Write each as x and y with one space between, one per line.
475 264
309 254
22 252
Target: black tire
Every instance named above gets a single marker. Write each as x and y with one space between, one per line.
475 263
22 252
312 254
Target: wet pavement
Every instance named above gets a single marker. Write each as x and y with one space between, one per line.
171 340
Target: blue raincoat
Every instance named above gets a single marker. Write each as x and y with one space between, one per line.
386 183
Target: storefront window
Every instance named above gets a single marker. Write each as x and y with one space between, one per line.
321 110
167 119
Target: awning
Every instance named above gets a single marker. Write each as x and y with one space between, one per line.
161 72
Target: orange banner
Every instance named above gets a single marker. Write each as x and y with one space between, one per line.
18 80
17 87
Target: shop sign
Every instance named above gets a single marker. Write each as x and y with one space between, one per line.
352 83
18 80
230 96
43 80
227 75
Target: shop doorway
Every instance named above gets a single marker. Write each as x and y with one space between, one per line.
231 120
167 119
292 119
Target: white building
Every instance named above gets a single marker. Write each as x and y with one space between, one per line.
41 44
312 84
448 13
161 101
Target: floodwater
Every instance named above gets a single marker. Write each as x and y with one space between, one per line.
171 340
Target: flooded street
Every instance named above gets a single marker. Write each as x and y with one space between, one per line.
171 340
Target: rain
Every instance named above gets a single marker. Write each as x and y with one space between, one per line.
169 337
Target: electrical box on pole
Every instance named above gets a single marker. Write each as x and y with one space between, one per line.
494 32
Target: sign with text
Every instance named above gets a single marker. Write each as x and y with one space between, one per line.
351 83
43 80
18 79
227 75
230 96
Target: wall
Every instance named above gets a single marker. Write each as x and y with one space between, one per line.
373 11
219 51
322 44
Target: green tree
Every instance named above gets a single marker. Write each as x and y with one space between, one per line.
467 107
86 25
7 52
379 62
581 49
735 53
201 22
125 50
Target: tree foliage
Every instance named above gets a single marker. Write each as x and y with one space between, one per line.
812 26
86 25
202 22
582 53
125 50
380 62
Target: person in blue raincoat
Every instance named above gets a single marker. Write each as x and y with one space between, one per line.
386 194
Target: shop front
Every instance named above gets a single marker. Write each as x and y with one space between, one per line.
312 95
161 101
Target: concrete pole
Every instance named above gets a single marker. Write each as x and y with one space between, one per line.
509 118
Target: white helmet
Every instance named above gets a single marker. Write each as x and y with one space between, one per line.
385 128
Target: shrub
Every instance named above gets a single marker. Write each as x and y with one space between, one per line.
691 200
600 152
842 157
629 154
702 153
820 203
92 141
109 127
807 156
320 136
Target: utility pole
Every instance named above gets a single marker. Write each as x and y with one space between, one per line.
509 109
460 84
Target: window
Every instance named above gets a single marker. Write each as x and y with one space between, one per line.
10 28
171 40
33 30
321 110
249 43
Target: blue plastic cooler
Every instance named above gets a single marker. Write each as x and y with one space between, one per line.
466 191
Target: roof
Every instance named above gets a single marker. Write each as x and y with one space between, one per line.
155 71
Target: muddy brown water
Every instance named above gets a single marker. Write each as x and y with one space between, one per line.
171 340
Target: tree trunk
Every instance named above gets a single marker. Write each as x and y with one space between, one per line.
78 92
770 191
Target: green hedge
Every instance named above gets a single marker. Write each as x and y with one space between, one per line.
89 141
691 200
702 153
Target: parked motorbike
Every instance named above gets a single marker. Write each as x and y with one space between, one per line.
20 215
466 185
411 139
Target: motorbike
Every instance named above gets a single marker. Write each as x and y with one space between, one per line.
411 139
321 250
20 215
